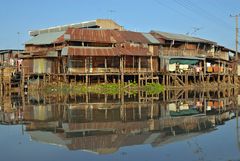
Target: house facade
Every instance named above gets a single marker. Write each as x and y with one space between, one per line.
103 51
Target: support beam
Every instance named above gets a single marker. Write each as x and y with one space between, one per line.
122 69
105 73
139 69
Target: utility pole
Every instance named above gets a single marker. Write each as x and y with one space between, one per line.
236 17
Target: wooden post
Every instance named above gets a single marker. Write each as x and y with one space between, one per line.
122 69
139 69
122 113
229 79
44 79
85 59
219 79
167 80
23 79
105 73
204 67
186 79
105 78
86 79
98 79
133 62
163 81
9 83
151 63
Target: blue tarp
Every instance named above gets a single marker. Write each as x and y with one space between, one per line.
183 61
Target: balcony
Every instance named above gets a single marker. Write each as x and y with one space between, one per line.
194 53
182 52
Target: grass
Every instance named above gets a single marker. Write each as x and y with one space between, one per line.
110 88
153 88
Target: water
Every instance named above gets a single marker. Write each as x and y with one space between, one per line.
176 125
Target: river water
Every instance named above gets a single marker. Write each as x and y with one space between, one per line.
174 125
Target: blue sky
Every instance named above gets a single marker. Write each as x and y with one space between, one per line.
177 16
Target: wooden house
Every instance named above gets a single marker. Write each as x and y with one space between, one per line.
102 51
92 54
197 59
181 52
9 57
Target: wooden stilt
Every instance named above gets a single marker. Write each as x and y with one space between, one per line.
163 80
186 79
229 80
122 70
105 78
98 79
139 69
167 83
86 79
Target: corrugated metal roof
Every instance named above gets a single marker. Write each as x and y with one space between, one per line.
10 51
46 38
107 36
104 51
98 23
91 51
181 37
151 38
64 27
90 35
130 36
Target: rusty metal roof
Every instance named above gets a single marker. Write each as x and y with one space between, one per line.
90 35
105 36
181 37
130 36
104 51
91 51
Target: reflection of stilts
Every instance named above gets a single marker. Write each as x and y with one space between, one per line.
237 128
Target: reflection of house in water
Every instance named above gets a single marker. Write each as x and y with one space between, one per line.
182 102
11 111
103 124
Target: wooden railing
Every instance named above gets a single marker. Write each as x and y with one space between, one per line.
193 52
182 52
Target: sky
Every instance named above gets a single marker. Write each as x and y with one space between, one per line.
209 19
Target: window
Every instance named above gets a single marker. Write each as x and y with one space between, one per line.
113 62
77 63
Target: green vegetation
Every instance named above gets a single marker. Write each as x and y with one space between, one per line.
104 88
110 88
153 88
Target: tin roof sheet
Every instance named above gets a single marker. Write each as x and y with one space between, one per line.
130 36
103 51
181 37
107 36
91 35
10 51
64 27
46 38
151 38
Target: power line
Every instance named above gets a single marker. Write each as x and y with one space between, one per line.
195 29
237 42
172 9
192 7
